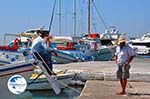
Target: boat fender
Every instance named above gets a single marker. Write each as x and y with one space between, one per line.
48 41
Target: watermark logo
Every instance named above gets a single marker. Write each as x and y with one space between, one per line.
17 84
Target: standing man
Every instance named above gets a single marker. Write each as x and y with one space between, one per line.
124 55
43 52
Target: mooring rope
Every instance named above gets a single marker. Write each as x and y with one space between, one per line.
56 76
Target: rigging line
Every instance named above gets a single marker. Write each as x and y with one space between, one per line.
100 15
52 16
68 86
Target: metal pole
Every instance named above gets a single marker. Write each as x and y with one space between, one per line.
59 17
89 3
74 16
52 16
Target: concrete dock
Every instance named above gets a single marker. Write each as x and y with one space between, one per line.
101 82
106 70
107 90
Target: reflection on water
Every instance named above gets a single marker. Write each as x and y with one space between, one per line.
49 94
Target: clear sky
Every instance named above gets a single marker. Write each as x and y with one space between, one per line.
130 16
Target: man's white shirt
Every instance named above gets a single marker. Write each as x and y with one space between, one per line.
124 54
36 40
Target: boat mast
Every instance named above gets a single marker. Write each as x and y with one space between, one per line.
52 17
89 3
59 14
74 17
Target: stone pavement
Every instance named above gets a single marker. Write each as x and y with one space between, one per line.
96 89
106 70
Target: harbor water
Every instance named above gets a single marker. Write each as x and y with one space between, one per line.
66 93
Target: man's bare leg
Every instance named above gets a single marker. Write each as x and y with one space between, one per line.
124 86
123 83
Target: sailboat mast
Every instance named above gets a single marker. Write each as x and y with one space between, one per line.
52 17
74 17
59 17
89 3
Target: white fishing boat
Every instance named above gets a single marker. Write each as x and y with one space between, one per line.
11 52
42 83
10 57
33 32
142 45
24 69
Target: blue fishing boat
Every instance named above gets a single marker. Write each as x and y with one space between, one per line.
91 45
80 56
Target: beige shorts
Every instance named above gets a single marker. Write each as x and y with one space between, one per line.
123 72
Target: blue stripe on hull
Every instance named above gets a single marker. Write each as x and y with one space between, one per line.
4 62
16 67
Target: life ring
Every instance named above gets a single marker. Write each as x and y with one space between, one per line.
16 42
